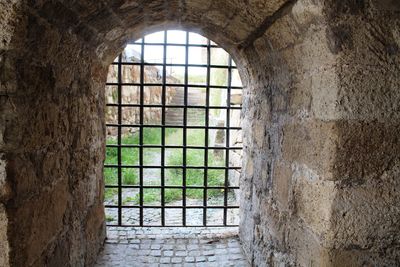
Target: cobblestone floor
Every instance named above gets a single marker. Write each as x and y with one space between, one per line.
197 246
194 217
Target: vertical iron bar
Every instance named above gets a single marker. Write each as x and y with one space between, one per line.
185 118
119 139
141 132
227 136
163 102
206 135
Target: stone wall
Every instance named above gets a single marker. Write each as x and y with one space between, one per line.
321 119
131 94
51 142
321 138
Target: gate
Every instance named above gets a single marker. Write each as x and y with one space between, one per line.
173 103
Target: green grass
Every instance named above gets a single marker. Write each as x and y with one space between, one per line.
194 157
109 218
195 177
109 193
129 156
150 136
128 199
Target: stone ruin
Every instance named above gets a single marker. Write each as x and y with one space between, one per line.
131 94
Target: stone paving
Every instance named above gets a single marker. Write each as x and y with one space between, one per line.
194 217
196 246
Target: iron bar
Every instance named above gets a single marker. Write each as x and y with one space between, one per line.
172 167
141 117
171 106
176 146
142 124
173 65
206 136
170 207
171 186
174 85
171 126
119 141
227 139
163 103
171 226
185 120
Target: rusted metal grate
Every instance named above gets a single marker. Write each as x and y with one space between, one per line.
186 108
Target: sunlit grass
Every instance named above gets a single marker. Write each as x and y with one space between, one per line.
194 157
129 156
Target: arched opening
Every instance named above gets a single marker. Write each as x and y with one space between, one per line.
321 124
174 144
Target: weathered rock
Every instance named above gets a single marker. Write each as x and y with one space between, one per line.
320 120
328 97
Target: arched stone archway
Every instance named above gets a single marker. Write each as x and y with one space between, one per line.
321 118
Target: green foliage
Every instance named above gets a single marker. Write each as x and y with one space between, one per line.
172 195
128 199
130 176
114 94
109 218
109 193
194 157
129 156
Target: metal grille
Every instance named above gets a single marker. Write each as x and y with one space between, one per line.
121 127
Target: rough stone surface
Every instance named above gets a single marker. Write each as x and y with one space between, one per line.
131 94
320 118
4 248
197 246
328 109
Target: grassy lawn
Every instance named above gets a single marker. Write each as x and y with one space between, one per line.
194 157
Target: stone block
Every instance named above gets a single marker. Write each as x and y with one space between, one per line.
324 93
282 177
265 8
389 5
360 97
313 199
38 222
365 215
283 33
95 232
312 143
306 248
198 6
365 149
4 247
356 257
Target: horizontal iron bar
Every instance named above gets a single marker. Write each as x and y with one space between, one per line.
163 226
176 85
172 126
170 146
169 207
170 187
171 167
172 44
171 106
173 65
